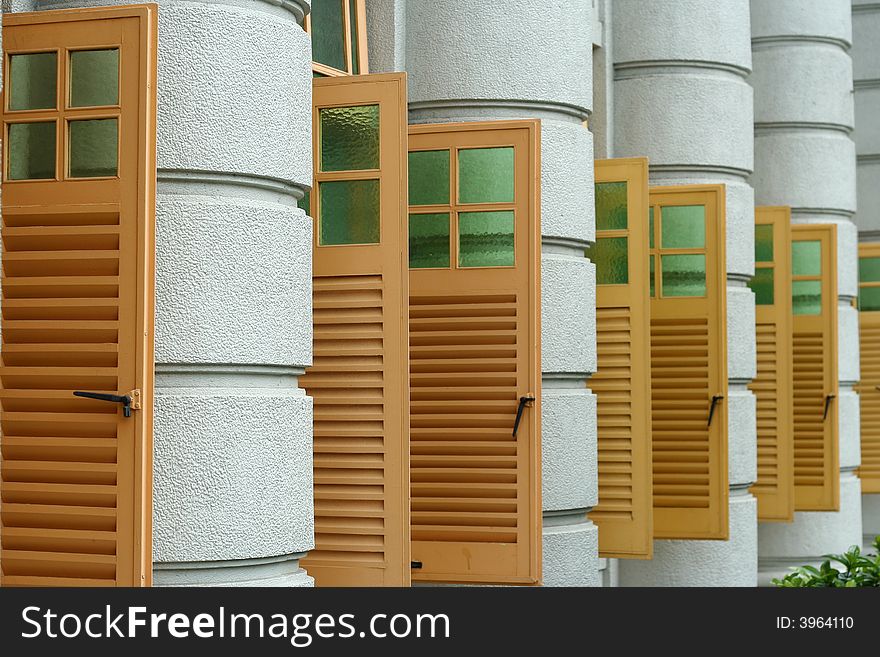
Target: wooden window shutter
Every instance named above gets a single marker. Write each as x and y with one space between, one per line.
814 367
339 37
869 387
622 383
772 387
689 361
78 262
474 352
360 376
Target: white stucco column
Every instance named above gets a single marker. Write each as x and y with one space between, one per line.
233 431
866 85
805 158
473 60
681 98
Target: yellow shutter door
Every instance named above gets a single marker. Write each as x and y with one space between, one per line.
689 361
869 387
622 383
78 218
360 376
774 489
474 352
814 366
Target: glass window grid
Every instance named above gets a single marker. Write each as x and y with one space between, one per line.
455 207
864 285
800 277
656 252
322 176
770 264
617 232
63 113
354 25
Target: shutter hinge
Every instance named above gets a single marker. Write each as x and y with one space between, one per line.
135 396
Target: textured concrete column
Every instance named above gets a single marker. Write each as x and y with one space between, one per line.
233 432
681 98
805 158
473 60
866 85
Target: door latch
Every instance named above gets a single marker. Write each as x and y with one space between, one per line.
715 400
130 401
828 399
519 411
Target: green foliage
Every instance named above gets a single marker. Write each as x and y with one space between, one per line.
856 570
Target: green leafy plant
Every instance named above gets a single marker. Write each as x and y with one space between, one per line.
856 570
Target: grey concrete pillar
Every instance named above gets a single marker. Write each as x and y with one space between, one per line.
805 158
681 98
866 85
233 431
471 60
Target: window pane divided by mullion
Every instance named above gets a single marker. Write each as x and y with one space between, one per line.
365 174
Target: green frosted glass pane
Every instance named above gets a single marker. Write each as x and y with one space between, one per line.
611 206
869 270
684 275
350 138
609 254
349 212
683 227
651 260
328 33
352 21
33 81
32 151
428 240
806 258
764 243
485 239
806 297
94 78
485 175
762 286
305 203
429 177
651 227
94 147
869 298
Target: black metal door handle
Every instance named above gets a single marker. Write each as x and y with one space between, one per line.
828 399
519 411
125 400
715 400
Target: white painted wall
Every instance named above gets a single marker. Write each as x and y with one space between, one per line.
471 60
233 432
866 86
805 158
680 97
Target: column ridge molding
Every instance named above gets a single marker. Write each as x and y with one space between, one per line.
785 39
635 68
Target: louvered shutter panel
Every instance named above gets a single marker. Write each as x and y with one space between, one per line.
474 352
622 383
814 367
689 362
869 387
774 488
78 307
359 379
